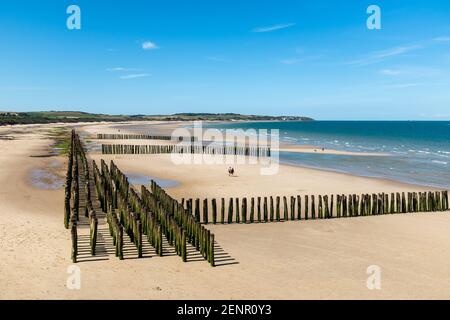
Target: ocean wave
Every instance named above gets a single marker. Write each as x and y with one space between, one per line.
440 162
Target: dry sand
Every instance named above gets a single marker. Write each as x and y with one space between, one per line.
324 259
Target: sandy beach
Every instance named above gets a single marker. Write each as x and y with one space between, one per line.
321 259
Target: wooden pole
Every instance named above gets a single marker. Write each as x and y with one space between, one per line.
292 208
306 207
259 209
265 210
252 210
214 211
272 213
205 211
278 209
222 211
285 207
244 210
230 211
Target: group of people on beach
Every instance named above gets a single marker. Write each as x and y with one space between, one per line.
230 172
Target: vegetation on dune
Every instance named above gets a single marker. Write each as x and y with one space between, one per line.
11 118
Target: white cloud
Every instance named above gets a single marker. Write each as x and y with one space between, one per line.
134 76
390 72
299 60
290 61
403 85
274 27
217 58
379 56
119 69
148 45
442 39
411 71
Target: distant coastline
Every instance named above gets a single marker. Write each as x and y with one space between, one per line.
42 117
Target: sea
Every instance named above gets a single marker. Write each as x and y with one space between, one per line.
417 152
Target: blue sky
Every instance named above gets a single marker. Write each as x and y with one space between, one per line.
313 58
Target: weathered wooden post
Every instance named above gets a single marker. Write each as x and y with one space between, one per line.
265 210
313 207
238 218
351 204
252 210
183 246
429 202
74 236
445 200
285 207
120 243
306 207
438 201
205 211
244 210
272 209
344 205
403 203
222 211
320 207
189 207
211 251
299 208
338 205
214 211
139 238
93 238
408 206
160 241
331 206
67 210
357 207
278 209
197 210
326 209
292 208
259 209
230 211
392 204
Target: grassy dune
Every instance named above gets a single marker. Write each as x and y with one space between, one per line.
9 118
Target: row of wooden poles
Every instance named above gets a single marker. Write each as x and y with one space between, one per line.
119 136
147 214
78 171
185 149
274 209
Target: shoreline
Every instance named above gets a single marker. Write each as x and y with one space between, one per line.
165 127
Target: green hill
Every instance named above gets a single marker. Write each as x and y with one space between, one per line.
9 118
